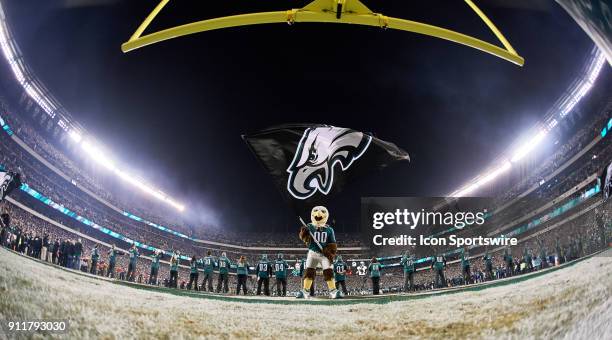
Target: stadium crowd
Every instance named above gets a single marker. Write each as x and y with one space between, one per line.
48 233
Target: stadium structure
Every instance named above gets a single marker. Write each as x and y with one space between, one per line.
556 285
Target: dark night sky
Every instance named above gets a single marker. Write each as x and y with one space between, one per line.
175 111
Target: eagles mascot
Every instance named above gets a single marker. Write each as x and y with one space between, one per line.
320 239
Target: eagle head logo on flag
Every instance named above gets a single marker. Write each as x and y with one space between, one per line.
8 182
606 181
321 151
310 163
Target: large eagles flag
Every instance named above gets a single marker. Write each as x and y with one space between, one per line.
311 162
8 181
606 182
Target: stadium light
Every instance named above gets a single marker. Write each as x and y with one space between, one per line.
98 156
488 177
75 136
101 158
585 85
526 148
30 85
576 93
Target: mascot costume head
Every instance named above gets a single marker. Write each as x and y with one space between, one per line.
319 216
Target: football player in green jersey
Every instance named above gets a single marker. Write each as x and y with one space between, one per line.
157 255
264 270
112 261
280 272
209 267
408 265
224 265
374 268
438 263
132 264
340 274
322 247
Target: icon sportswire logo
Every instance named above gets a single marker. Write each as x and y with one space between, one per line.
319 152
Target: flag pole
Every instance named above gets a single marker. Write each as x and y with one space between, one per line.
311 236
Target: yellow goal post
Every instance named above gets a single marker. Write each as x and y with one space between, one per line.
326 11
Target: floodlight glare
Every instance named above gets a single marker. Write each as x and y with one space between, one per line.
29 83
75 136
529 146
98 156
483 180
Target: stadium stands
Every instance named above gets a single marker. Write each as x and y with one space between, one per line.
562 179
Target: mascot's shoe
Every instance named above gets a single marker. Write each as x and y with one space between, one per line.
335 294
302 294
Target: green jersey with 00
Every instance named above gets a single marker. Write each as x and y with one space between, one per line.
324 235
